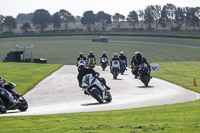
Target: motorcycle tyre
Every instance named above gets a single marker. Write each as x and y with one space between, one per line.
3 110
145 79
109 99
24 105
114 76
122 71
97 95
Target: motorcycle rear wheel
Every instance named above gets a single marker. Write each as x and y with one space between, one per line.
3 110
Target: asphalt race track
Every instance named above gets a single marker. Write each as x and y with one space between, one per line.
60 93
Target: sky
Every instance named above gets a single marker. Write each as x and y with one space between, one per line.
78 7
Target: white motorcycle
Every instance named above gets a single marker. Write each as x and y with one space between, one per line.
115 68
104 63
96 89
81 62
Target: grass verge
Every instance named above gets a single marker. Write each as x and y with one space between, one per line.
180 73
26 75
176 118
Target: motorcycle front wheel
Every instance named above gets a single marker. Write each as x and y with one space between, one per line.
97 95
109 99
145 79
24 104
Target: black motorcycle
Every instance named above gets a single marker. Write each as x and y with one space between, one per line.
3 107
144 75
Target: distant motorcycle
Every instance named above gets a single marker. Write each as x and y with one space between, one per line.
3 107
104 63
123 66
144 75
92 86
91 63
115 69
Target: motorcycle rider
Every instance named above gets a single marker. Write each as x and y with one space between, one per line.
103 56
123 57
115 57
91 55
136 61
9 101
81 57
83 71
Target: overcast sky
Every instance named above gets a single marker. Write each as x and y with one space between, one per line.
78 7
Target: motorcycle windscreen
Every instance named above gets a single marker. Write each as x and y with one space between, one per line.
115 64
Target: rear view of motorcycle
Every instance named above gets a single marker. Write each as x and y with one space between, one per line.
92 86
123 66
115 68
104 63
81 62
144 75
91 63
10 87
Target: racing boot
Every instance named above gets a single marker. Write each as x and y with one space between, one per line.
108 88
15 105
85 92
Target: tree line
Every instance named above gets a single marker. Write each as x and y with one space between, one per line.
168 15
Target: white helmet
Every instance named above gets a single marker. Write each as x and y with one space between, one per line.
121 53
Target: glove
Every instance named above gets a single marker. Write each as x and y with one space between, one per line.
97 75
16 96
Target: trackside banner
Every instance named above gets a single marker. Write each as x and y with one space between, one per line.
155 67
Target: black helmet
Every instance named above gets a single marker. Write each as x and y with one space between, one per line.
81 54
2 80
91 53
138 56
81 67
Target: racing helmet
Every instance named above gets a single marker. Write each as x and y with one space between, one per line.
138 57
121 53
2 80
81 54
115 55
91 53
81 68
104 53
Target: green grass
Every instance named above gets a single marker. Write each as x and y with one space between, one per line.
65 49
26 75
180 73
